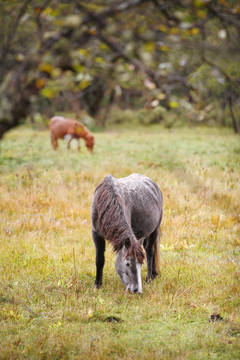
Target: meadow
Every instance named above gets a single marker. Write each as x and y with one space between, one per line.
49 307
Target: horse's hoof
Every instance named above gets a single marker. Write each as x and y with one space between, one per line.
97 286
148 280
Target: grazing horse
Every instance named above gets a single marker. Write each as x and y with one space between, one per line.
128 212
69 129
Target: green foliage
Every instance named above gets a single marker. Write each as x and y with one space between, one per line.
151 116
119 116
133 117
186 114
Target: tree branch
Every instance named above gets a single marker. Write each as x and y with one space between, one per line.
12 33
224 18
164 7
115 8
39 22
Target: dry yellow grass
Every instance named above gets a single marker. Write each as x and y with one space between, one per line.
49 308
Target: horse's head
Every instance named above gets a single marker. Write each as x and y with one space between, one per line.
89 141
129 269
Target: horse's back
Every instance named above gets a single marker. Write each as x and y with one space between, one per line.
140 198
140 187
143 201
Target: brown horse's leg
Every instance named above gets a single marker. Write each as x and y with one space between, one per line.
100 259
78 140
54 142
149 249
68 144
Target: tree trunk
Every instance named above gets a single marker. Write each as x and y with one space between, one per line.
234 120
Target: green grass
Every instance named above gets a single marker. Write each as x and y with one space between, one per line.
49 308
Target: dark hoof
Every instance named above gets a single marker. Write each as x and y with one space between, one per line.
216 317
97 286
154 276
148 280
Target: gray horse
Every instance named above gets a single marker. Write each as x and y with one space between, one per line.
128 212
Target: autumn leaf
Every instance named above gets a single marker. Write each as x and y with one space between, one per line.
173 104
48 68
40 83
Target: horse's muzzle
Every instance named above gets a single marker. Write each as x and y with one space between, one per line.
134 289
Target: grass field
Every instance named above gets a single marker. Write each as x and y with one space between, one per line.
49 308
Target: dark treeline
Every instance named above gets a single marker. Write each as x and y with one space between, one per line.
154 56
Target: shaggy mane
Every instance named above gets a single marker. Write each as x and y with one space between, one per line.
112 221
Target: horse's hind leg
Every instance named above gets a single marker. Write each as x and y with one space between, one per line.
149 249
68 143
100 249
154 272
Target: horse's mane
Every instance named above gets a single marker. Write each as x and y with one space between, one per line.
112 221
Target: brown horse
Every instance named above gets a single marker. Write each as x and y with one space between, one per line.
127 212
69 129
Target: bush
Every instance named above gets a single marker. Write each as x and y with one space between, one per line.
135 117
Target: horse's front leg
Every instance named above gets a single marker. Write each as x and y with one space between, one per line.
100 259
78 144
149 253
149 249
54 142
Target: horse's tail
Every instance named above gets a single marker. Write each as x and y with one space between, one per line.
157 254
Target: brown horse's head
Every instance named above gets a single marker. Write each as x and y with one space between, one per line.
89 141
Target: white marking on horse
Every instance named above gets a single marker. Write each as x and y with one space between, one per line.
68 137
139 279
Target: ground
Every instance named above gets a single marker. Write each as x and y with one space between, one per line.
49 308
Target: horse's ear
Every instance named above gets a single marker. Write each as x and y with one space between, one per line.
127 243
